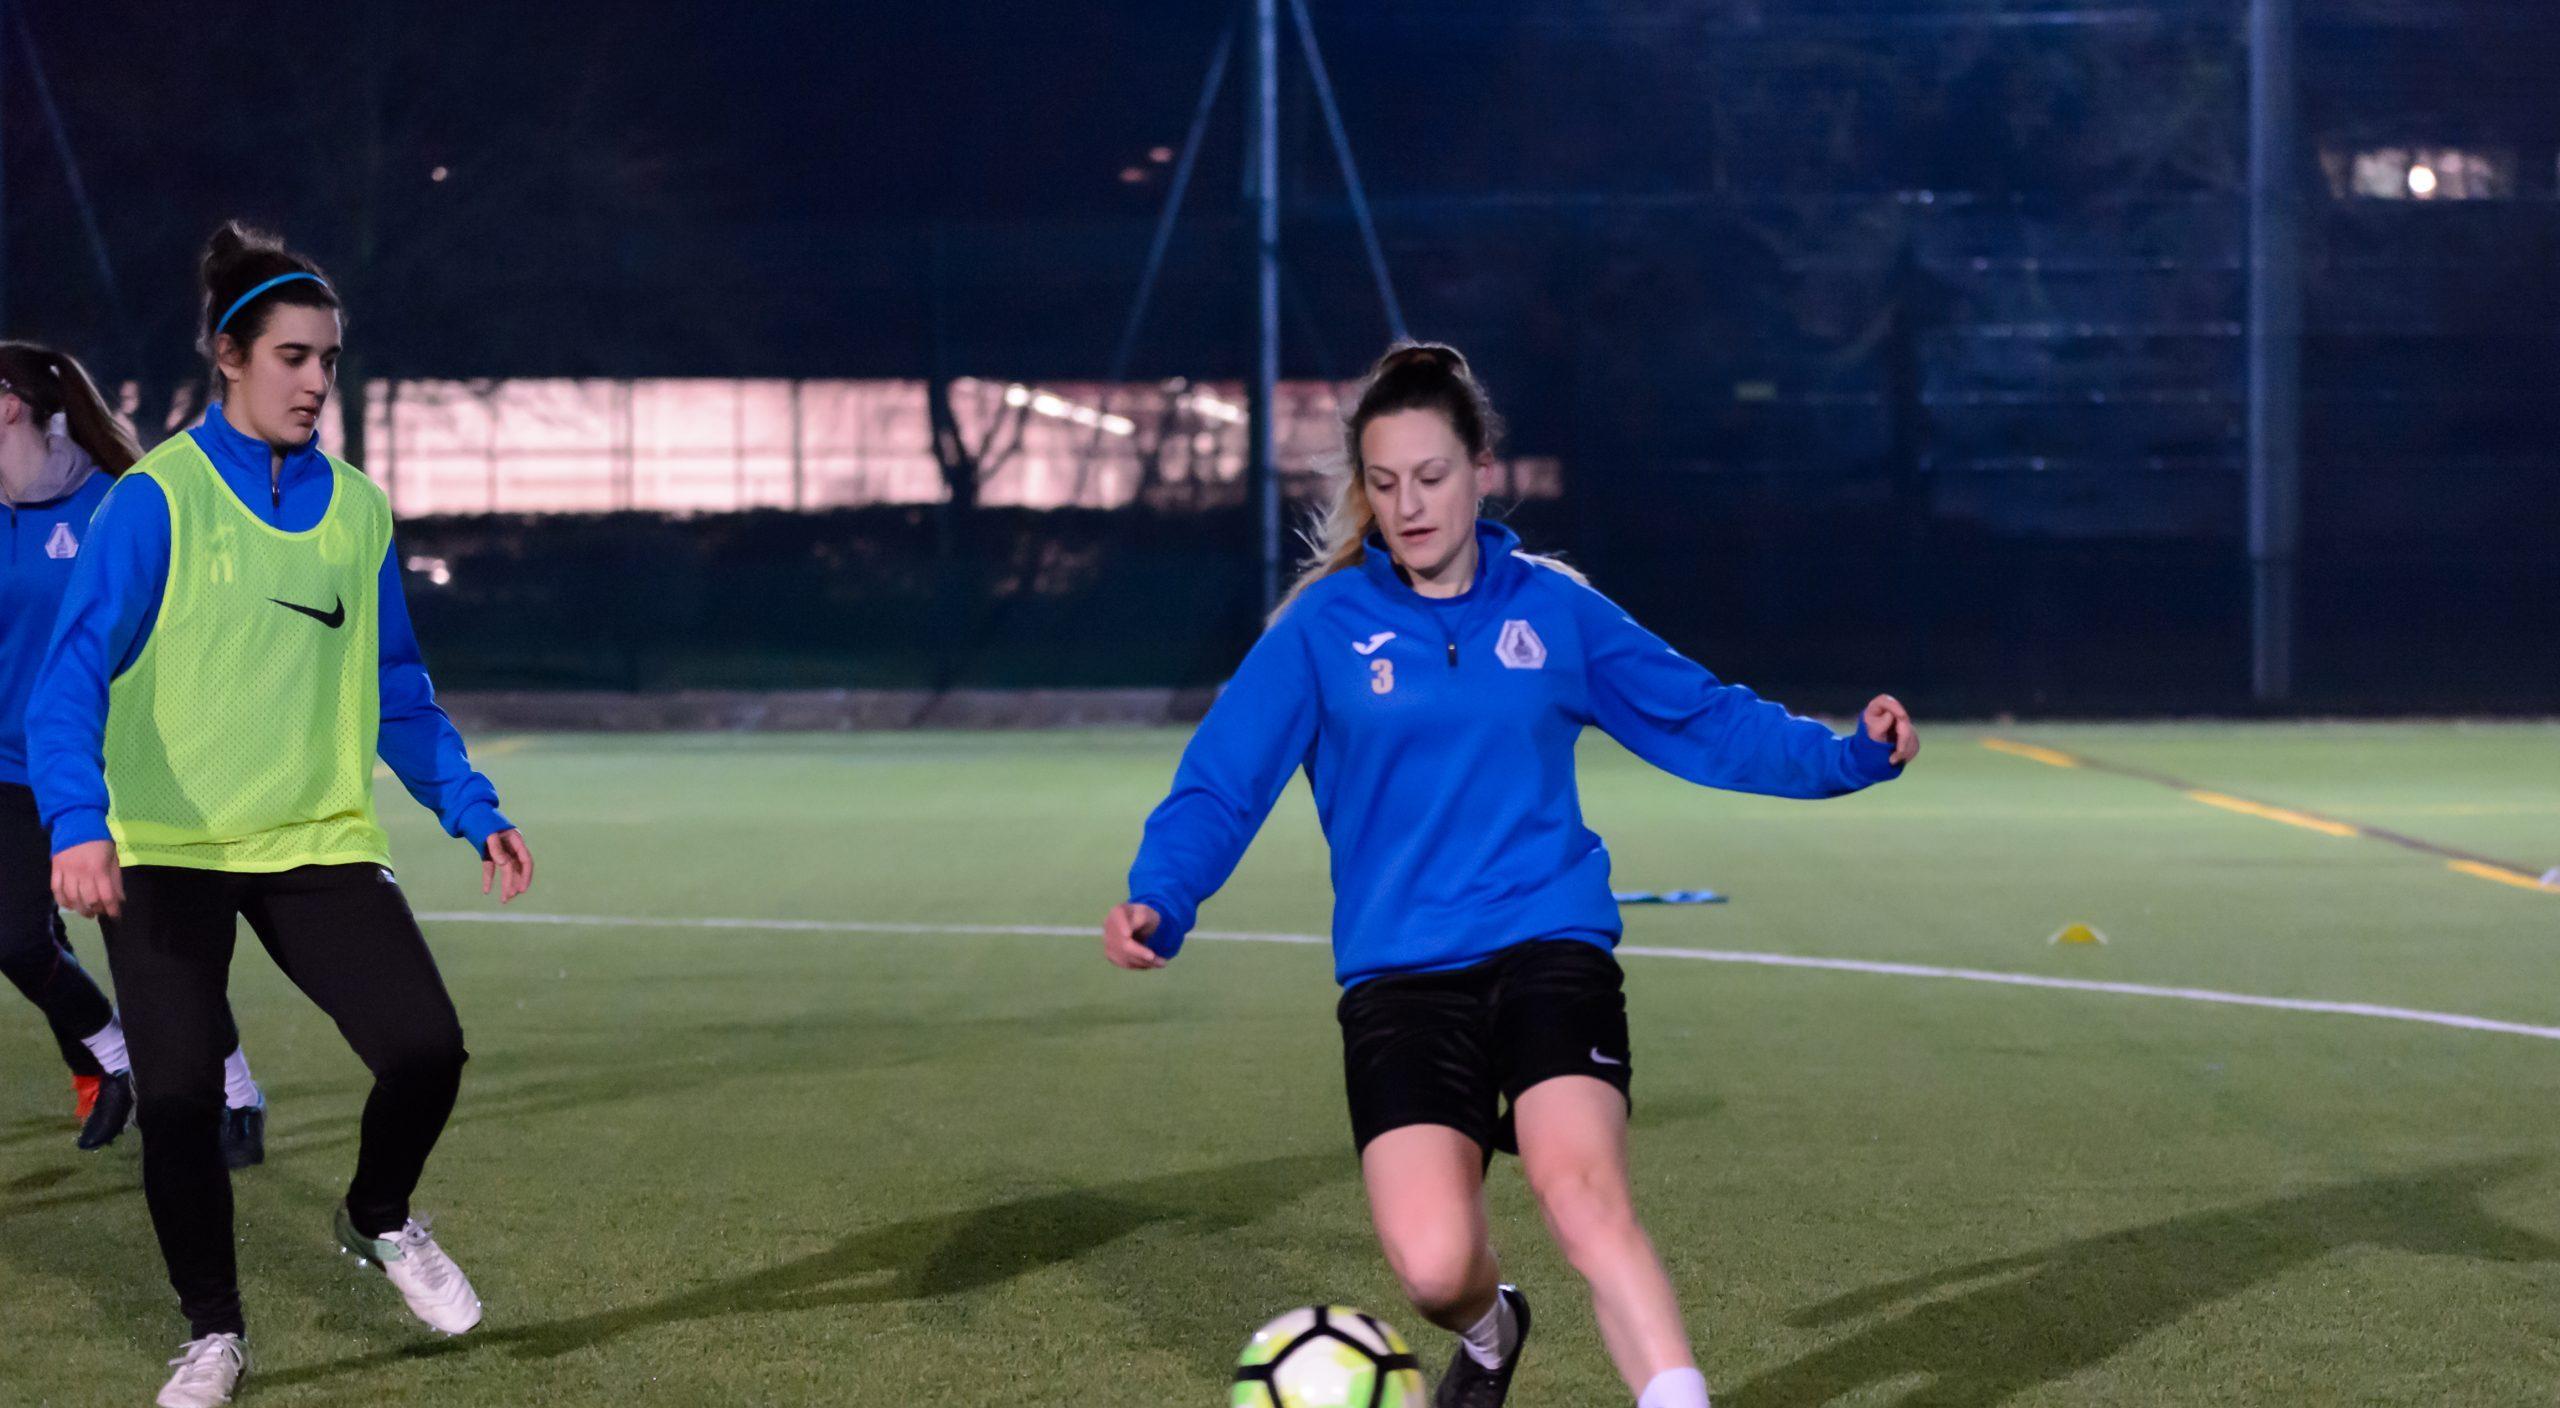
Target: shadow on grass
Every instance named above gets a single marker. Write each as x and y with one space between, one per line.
30 1131
127 1178
923 1258
41 1179
2048 1314
120 1164
507 1089
722 1053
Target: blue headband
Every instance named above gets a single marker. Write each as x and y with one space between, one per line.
243 300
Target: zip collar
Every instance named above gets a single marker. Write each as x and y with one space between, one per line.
1453 616
1495 544
245 460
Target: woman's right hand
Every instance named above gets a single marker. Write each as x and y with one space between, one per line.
507 865
87 882
1124 933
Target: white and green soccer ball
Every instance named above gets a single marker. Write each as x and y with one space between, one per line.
1327 1356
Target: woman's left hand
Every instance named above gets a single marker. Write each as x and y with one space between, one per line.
1888 722
509 866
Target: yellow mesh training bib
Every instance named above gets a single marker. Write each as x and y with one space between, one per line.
243 736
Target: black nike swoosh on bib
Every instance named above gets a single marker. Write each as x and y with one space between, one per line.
332 618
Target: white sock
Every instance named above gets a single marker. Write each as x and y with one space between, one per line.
107 1044
1490 1340
240 1089
1675 1388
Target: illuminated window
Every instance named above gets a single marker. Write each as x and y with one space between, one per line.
714 445
2420 173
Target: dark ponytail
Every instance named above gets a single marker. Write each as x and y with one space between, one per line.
54 383
237 259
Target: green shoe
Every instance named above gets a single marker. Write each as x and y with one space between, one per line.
368 1251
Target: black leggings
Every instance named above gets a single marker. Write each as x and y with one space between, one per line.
345 936
35 950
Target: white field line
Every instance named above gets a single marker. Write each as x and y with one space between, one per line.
2455 1020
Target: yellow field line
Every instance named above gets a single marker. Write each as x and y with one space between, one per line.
2246 807
2056 758
2048 756
2500 874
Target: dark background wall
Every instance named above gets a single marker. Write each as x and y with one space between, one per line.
1882 343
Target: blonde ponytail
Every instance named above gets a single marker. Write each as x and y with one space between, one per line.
1337 539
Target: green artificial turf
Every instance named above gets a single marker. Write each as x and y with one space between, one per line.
743 1166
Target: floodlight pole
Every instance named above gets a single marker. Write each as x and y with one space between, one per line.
1262 193
2275 349
1263 185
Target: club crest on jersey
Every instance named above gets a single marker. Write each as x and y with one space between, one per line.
61 544
1519 648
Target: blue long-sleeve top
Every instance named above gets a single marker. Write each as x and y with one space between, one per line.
1438 736
114 599
44 543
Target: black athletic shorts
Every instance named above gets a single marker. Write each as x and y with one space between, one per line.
1452 1048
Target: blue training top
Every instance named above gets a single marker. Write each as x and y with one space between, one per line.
114 599
1438 736
44 542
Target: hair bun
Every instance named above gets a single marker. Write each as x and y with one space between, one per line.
233 244
1423 354
235 238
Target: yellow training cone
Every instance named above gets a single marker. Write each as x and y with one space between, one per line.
2077 934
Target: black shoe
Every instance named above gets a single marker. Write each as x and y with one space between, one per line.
1471 1385
111 1114
244 1136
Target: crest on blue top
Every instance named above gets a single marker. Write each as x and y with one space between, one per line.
61 544
1519 648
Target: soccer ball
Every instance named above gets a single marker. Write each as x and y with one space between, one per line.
1327 1356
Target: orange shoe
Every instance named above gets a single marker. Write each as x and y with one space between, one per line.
84 1096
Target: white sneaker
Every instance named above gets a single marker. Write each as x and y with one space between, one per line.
436 1290
208 1370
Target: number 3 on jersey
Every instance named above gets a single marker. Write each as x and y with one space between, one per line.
1382 677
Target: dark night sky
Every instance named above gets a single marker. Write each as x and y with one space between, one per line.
781 109
648 172
892 111
622 157
701 188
